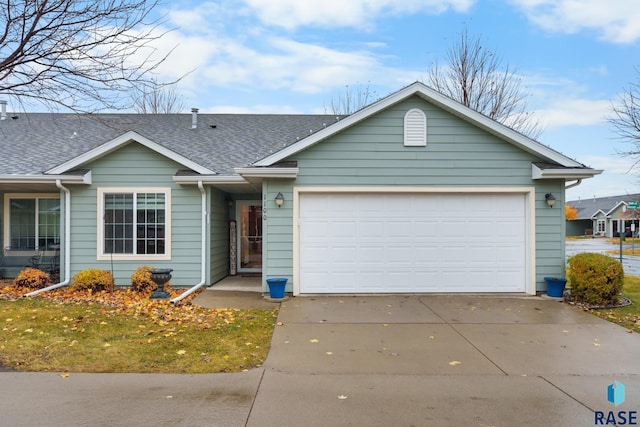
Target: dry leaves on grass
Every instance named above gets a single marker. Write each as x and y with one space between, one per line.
135 304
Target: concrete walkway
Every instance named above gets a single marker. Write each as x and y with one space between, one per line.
371 361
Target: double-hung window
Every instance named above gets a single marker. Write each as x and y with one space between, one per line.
134 224
33 221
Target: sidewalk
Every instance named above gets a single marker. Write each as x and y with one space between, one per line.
374 361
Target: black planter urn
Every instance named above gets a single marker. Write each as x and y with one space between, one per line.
160 276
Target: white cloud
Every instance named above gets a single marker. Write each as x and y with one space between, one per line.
615 21
214 49
291 14
572 112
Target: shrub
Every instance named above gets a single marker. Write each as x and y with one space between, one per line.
32 278
595 278
93 279
141 279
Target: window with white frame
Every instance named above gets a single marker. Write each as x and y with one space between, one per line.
134 224
33 221
601 226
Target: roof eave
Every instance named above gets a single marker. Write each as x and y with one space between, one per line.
120 141
84 178
209 179
538 173
436 98
257 172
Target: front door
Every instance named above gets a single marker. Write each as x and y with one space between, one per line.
249 214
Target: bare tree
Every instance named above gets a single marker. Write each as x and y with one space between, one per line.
626 119
157 98
351 100
81 55
475 77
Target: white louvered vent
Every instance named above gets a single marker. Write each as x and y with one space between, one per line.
415 128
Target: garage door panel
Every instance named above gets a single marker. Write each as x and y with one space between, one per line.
412 242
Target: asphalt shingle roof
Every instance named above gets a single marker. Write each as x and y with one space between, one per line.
33 143
588 207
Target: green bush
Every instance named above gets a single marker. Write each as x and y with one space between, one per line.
32 278
595 278
93 279
141 279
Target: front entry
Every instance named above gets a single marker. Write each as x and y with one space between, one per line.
249 215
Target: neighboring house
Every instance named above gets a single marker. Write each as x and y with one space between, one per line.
415 193
604 216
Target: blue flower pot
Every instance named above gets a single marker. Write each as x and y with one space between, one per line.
555 286
276 287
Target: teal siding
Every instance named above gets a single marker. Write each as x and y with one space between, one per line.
129 167
457 154
219 236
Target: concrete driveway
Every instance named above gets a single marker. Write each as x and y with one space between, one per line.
442 361
374 361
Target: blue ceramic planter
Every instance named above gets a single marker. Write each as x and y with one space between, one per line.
276 287
555 286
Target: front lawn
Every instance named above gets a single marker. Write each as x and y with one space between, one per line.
629 316
124 331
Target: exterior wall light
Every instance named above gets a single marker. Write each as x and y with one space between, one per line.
279 200
551 199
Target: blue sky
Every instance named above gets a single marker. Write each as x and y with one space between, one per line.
294 56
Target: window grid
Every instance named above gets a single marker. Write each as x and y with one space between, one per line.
148 219
34 223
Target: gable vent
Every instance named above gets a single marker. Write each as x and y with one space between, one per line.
415 128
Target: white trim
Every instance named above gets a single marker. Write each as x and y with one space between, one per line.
101 256
215 179
438 100
46 179
562 173
7 206
268 172
119 142
528 192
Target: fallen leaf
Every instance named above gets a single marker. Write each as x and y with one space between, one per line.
596 344
28 330
181 352
454 363
329 353
280 324
431 337
64 375
342 397
313 340
106 344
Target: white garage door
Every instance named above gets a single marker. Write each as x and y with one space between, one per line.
416 242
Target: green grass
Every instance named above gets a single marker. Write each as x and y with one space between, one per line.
44 335
629 316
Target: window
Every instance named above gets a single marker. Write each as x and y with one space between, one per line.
33 221
415 128
601 226
135 224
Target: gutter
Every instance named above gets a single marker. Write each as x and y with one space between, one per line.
575 184
203 258
67 244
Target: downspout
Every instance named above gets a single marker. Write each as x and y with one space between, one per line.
575 184
203 258
67 243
